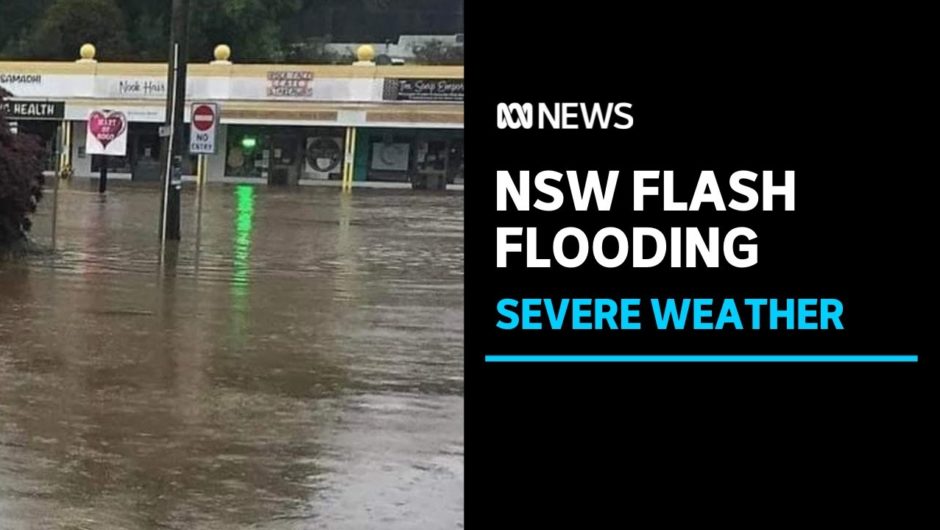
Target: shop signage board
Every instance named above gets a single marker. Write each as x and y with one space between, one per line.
290 84
27 109
28 85
11 79
144 87
423 90
106 133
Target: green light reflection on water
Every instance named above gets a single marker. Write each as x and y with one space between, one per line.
241 255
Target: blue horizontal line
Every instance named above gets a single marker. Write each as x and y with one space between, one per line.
701 358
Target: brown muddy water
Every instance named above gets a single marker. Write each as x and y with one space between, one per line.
301 368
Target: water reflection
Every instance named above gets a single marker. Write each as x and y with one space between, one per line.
241 254
304 370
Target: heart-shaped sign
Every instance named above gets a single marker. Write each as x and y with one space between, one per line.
105 126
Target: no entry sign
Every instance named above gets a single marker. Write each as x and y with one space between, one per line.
204 121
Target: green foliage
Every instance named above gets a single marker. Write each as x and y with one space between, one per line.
257 30
314 51
151 31
436 52
16 19
70 23
250 27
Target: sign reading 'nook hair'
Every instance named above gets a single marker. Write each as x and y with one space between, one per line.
423 90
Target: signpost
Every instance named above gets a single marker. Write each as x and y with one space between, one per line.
105 135
204 122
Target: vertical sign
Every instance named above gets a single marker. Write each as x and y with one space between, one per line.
106 133
203 125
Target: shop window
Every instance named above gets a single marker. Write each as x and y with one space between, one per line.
46 133
246 156
323 156
455 162
431 156
282 155
390 158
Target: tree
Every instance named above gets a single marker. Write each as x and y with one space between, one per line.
150 36
18 17
437 52
251 27
68 24
257 30
20 183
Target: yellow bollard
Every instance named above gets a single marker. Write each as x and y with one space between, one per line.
349 159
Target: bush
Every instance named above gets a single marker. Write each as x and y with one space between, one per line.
437 53
314 51
20 184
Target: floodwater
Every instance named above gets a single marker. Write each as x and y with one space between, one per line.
301 368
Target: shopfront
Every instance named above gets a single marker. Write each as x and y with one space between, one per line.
278 124
284 155
422 157
143 158
41 119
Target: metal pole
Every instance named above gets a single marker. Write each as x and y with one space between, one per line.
103 175
349 156
55 207
175 103
167 145
199 193
64 145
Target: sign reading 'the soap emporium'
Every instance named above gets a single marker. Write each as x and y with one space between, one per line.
423 90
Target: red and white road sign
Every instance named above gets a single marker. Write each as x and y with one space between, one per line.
204 121
203 117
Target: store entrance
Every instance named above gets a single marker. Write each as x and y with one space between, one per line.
284 155
145 149
455 162
47 132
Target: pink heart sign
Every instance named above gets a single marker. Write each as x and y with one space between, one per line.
105 126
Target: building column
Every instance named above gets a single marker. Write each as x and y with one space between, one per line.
215 164
349 159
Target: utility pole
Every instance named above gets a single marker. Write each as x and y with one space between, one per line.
173 146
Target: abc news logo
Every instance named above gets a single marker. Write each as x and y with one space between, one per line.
563 116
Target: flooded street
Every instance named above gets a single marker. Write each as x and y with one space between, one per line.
301 368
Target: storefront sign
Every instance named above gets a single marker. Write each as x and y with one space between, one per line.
140 88
290 84
33 110
20 79
106 133
203 125
423 89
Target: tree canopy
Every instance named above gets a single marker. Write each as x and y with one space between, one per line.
257 30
